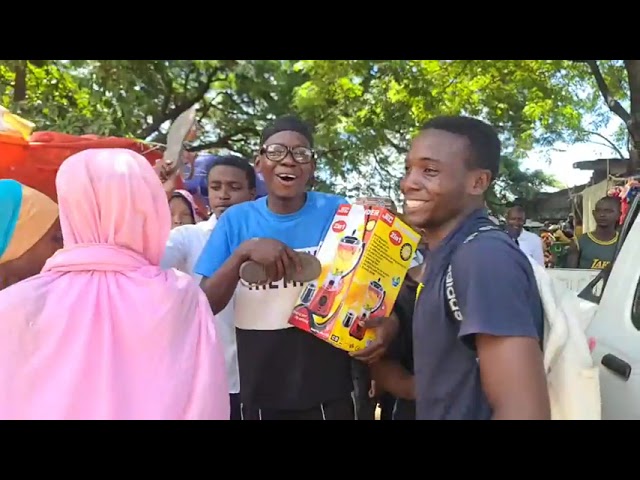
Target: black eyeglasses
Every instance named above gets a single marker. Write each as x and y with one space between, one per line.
277 153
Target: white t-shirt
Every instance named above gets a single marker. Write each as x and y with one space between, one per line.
531 244
182 252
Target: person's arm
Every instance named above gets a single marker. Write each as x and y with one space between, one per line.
513 377
386 329
219 263
493 285
392 377
168 177
389 373
219 267
538 253
573 257
219 288
176 250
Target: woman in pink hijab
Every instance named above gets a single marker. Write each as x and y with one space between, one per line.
103 332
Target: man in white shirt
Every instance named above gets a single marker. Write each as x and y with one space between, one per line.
231 180
530 243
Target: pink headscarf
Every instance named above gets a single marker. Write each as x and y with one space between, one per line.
103 332
190 200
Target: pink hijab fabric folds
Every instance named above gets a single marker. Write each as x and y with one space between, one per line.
103 332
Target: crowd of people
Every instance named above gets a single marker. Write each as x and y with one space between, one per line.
127 300
594 250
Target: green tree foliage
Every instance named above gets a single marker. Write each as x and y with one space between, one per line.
371 106
365 112
617 84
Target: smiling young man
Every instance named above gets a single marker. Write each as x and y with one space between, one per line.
478 319
285 373
231 181
530 243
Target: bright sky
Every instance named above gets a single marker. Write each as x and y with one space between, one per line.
562 157
557 161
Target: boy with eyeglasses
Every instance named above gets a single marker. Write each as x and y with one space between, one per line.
285 373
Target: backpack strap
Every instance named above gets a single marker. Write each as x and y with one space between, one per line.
450 297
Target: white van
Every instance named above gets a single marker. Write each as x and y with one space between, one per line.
616 324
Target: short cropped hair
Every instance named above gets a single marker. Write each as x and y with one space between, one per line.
613 200
289 123
238 162
482 137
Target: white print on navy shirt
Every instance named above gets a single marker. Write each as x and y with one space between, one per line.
452 300
267 307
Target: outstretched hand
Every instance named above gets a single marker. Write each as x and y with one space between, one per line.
386 329
278 260
167 175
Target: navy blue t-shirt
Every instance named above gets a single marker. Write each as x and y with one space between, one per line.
495 290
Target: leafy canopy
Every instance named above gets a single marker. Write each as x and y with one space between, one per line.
365 112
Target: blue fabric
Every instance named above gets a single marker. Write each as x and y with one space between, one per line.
261 187
303 229
198 183
10 204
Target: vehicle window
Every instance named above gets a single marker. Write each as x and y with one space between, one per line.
593 291
635 309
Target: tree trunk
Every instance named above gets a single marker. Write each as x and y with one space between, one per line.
20 82
631 118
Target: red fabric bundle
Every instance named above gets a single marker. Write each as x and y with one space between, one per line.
35 163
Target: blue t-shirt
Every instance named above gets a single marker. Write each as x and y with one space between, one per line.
496 293
281 367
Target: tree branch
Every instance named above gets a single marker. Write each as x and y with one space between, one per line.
614 105
609 142
326 153
398 148
20 82
633 78
181 107
205 109
457 77
377 164
185 85
222 142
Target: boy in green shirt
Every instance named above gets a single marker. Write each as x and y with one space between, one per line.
595 250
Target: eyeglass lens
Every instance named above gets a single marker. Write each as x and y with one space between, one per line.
276 153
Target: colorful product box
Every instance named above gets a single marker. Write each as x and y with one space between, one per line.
365 257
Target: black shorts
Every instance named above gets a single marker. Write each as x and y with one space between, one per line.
234 400
365 405
343 409
404 409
